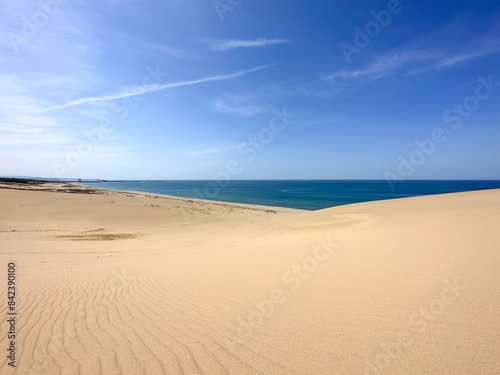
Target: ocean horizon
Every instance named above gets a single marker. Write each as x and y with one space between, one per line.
298 194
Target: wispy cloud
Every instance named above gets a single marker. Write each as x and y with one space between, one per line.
381 67
20 118
163 50
212 150
442 62
226 45
207 151
145 46
40 138
411 62
222 106
53 62
139 90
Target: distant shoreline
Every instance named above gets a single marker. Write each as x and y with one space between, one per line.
77 188
298 194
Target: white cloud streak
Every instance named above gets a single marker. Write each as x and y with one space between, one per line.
242 110
227 45
405 63
213 150
139 90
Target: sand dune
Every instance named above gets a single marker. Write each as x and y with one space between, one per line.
117 284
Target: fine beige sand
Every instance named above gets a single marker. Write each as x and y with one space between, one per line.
118 283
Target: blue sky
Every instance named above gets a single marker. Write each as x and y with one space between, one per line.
129 89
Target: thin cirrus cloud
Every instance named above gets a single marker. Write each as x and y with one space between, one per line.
382 67
388 64
207 151
242 110
139 90
213 150
227 45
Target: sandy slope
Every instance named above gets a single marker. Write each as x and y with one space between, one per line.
139 285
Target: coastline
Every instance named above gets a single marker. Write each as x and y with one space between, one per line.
311 195
259 207
77 188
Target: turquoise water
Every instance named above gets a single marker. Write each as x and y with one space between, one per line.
308 195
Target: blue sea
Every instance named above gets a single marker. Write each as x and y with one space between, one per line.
303 194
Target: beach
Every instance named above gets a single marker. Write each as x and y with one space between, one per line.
139 283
